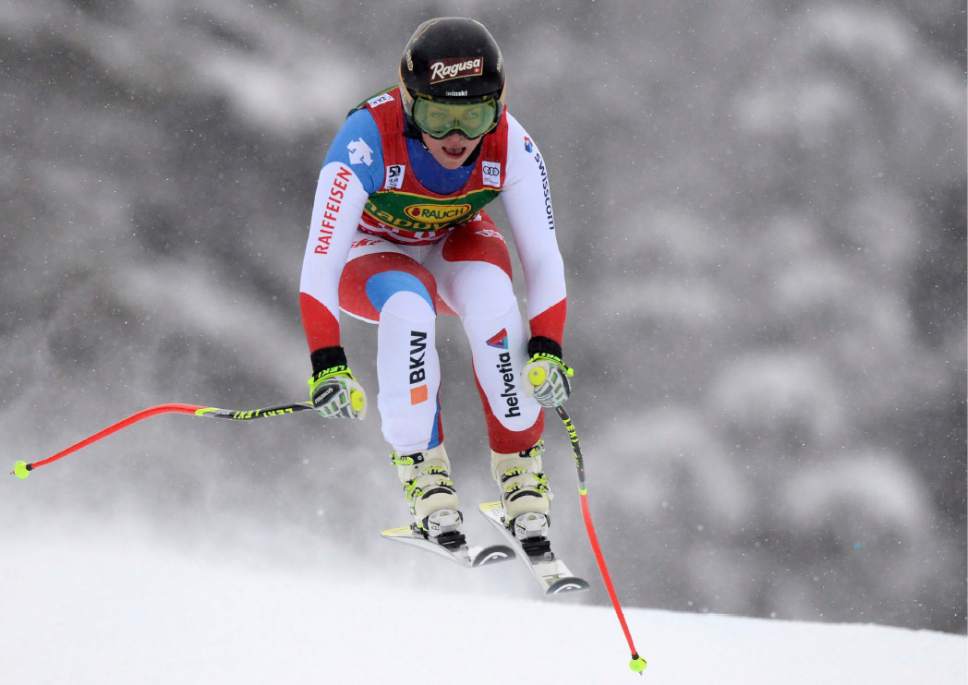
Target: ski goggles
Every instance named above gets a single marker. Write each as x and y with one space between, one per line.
439 119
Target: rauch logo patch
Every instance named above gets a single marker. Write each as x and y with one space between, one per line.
437 214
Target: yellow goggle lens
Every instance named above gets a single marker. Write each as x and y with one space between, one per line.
438 119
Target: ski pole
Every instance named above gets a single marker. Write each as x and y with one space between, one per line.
22 469
637 664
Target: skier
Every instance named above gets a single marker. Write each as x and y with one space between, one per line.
399 236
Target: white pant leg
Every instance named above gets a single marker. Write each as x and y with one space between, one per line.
408 370
383 283
482 295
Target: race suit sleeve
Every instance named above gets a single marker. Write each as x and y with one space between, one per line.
353 169
527 200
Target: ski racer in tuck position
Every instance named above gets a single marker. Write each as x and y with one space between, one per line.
399 236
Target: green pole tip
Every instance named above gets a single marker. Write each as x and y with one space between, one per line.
638 664
20 470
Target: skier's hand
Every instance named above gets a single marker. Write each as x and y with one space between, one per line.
336 394
548 379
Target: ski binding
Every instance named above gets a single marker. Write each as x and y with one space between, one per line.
451 545
551 573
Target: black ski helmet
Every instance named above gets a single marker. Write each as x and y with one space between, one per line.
452 59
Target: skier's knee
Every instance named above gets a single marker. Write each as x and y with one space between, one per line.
402 292
485 292
409 306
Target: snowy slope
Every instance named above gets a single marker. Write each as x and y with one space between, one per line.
111 606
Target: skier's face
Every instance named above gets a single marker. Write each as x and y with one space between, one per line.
451 151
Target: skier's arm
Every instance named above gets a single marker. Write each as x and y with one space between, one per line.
527 200
352 170
337 209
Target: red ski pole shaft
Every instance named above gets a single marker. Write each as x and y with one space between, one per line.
22 469
637 663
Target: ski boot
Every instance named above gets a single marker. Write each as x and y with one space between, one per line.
526 497
427 487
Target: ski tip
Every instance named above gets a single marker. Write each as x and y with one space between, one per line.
569 584
21 470
402 531
494 554
638 664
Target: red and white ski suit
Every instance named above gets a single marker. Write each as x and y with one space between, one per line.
399 254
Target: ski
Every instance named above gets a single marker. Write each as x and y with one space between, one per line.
550 572
454 548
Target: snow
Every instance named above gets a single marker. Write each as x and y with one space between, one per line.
114 604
